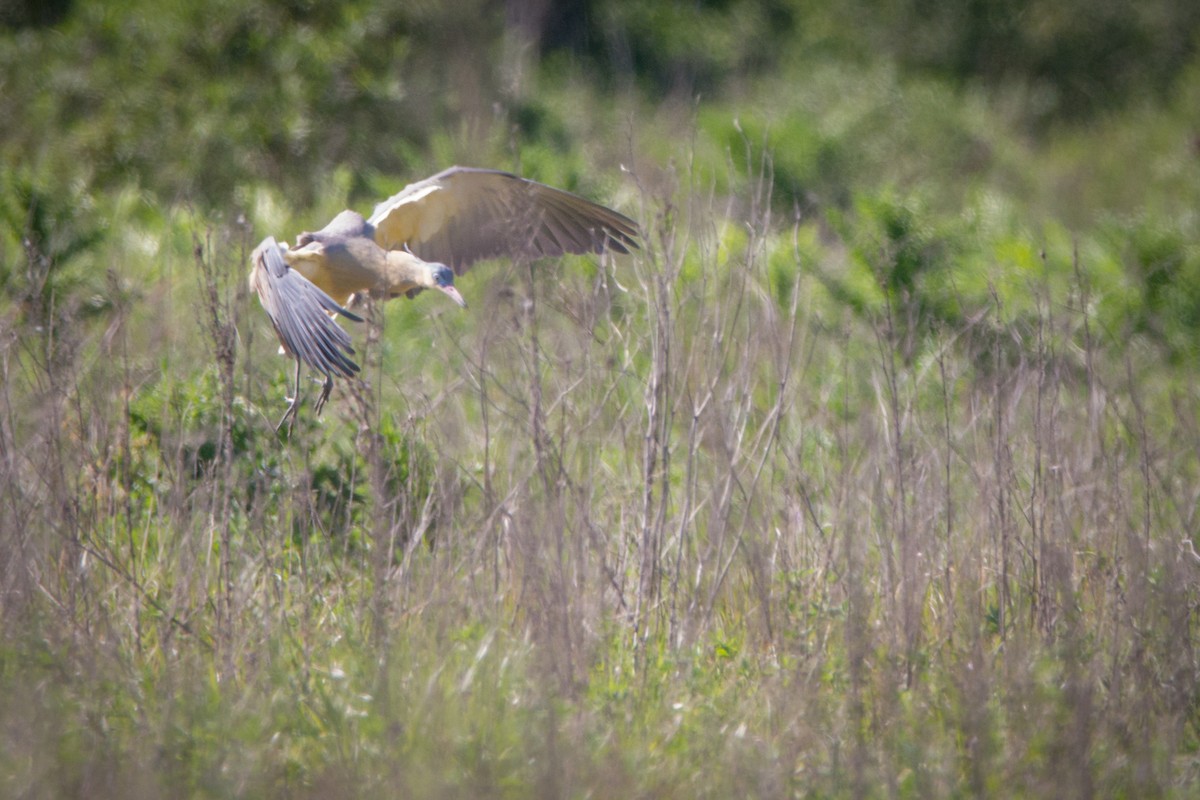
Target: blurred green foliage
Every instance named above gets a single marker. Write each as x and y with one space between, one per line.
51 231
1163 263
194 100
1075 58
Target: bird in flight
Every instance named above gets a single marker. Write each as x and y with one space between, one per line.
418 239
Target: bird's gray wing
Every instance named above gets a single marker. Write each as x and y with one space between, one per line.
462 215
345 225
300 313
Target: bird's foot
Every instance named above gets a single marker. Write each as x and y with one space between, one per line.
326 388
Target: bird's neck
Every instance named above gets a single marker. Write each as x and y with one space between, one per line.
403 272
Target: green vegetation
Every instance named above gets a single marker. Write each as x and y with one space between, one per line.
874 474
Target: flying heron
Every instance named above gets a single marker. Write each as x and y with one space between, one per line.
418 239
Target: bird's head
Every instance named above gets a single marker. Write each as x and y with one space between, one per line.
443 280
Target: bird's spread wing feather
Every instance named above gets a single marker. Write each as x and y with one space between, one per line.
300 313
462 215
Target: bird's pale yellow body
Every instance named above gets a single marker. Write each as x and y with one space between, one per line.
339 284
346 266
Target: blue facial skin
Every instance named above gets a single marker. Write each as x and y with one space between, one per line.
443 278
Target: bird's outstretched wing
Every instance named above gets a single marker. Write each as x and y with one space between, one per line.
462 215
300 313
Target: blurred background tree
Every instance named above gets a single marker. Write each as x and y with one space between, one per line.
190 99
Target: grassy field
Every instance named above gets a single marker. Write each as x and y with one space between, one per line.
874 473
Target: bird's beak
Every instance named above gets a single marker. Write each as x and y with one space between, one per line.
454 295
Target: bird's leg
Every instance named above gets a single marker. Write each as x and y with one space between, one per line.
326 388
290 415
